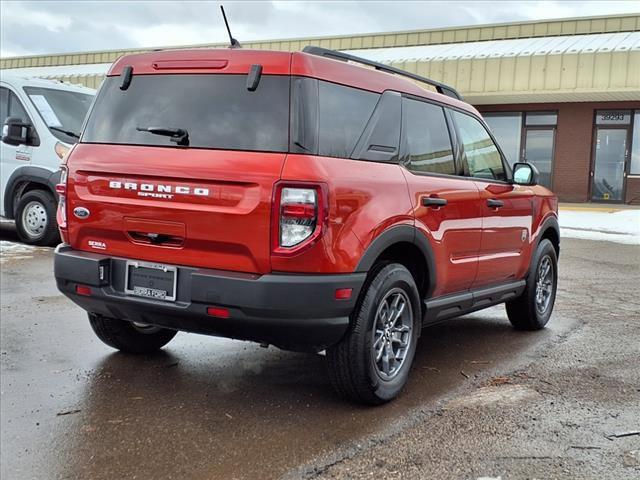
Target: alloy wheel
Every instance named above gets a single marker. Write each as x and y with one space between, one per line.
392 333
544 284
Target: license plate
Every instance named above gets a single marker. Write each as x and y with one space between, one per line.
151 280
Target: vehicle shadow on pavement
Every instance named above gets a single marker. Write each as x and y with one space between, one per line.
235 409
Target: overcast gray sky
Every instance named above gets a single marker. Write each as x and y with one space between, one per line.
39 27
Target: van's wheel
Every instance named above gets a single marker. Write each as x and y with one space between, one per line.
36 218
130 337
532 309
372 361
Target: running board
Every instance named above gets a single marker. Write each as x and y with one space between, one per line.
449 306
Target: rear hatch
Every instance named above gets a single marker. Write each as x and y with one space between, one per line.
179 166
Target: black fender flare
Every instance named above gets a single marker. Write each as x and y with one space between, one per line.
398 234
550 223
29 174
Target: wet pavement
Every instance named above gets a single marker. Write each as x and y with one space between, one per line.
207 408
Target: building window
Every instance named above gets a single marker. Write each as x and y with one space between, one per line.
634 168
507 128
527 137
541 118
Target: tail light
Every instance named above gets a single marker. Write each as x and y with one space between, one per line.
61 215
299 216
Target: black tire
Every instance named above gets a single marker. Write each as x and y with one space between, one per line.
129 338
36 218
353 370
526 312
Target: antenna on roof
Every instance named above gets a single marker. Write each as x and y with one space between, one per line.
233 43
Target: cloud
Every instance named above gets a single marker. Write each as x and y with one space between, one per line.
40 27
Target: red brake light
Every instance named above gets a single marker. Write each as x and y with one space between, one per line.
299 210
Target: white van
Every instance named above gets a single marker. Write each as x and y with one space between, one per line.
41 119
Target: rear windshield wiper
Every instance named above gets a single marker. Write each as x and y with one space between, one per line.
66 132
178 135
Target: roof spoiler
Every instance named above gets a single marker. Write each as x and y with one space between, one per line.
345 57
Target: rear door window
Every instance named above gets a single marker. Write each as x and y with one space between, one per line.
217 111
428 144
482 156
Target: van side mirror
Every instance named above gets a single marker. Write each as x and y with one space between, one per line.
15 131
525 174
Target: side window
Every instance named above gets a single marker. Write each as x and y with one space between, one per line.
343 114
427 138
4 104
380 140
482 155
16 109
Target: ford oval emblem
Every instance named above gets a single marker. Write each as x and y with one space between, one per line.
81 212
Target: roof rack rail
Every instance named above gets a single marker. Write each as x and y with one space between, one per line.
345 57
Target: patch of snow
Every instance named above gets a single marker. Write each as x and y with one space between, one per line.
503 394
621 226
17 251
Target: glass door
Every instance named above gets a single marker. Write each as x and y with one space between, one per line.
538 150
609 164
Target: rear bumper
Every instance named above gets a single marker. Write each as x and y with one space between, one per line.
292 311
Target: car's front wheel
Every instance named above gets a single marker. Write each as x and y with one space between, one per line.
371 363
130 337
533 308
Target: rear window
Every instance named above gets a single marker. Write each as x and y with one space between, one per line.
217 111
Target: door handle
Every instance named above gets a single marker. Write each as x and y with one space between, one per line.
434 202
493 203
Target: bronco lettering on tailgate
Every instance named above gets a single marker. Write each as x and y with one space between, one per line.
158 190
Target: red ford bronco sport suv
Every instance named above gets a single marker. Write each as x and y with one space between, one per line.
312 200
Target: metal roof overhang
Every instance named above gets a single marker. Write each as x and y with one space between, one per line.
596 67
575 68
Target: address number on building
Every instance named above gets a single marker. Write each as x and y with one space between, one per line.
620 117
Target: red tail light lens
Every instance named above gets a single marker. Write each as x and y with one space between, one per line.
61 190
298 216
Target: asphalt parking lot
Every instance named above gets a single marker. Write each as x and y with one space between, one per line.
483 400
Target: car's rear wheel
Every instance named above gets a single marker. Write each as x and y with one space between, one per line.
371 363
532 310
36 218
130 337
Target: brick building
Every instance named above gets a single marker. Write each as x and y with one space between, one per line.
562 94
